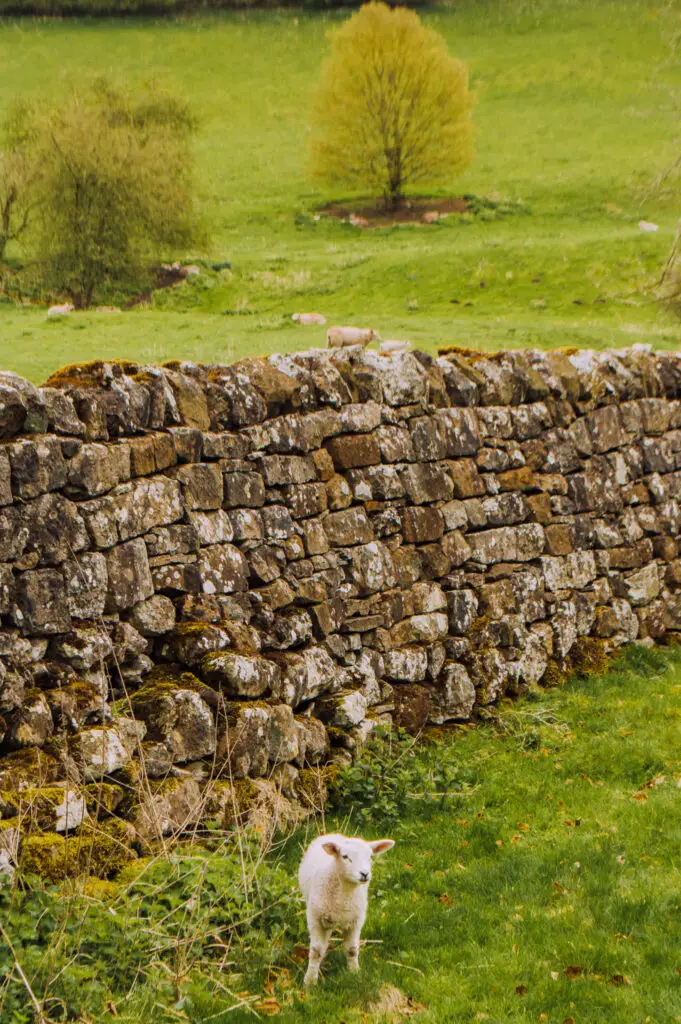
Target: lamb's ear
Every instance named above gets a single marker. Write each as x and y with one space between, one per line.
381 845
332 849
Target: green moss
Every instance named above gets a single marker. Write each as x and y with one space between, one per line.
8 824
589 656
102 798
312 785
44 856
100 889
557 673
245 795
100 849
29 767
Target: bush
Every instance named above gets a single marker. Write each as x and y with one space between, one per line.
115 189
126 7
393 107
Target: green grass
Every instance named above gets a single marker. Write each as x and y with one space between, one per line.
577 112
549 890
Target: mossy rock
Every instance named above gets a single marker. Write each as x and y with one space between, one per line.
589 656
92 374
56 808
557 673
312 785
101 849
44 856
29 767
103 798
245 796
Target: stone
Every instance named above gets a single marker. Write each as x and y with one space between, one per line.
408 665
56 530
243 490
241 675
170 806
344 709
507 544
37 466
99 752
348 527
202 485
41 604
352 451
245 741
153 617
30 725
283 735
222 569
98 468
371 568
305 675
84 647
129 575
419 629
421 525
425 483
87 580
454 697
642 586
176 714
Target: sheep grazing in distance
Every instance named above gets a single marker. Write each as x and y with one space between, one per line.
342 337
389 348
305 319
334 878
63 310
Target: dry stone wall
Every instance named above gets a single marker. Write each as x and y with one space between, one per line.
211 574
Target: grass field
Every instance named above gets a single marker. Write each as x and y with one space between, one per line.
578 110
544 887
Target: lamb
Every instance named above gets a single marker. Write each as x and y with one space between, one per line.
63 310
334 878
341 337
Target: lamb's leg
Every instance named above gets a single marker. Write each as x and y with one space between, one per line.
351 946
319 943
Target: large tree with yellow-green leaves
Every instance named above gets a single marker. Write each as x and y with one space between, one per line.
393 107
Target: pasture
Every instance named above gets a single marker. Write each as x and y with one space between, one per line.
535 878
577 112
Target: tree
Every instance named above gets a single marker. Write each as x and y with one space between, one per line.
19 177
393 108
116 186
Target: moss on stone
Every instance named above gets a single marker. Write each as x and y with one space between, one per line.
589 656
100 889
44 856
245 794
102 798
29 767
101 849
90 374
557 673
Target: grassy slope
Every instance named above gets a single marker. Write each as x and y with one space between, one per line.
578 109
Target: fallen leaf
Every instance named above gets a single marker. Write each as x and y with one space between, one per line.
619 979
520 990
555 975
573 972
640 796
569 1020
268 1007
559 888
300 953
390 1002
443 898
543 1016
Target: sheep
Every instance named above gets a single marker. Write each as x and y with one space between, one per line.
334 878
389 348
341 337
305 319
63 310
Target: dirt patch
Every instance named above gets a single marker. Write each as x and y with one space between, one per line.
415 210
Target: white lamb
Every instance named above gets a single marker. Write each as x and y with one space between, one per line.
62 310
340 337
334 878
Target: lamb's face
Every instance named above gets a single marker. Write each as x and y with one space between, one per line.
354 858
